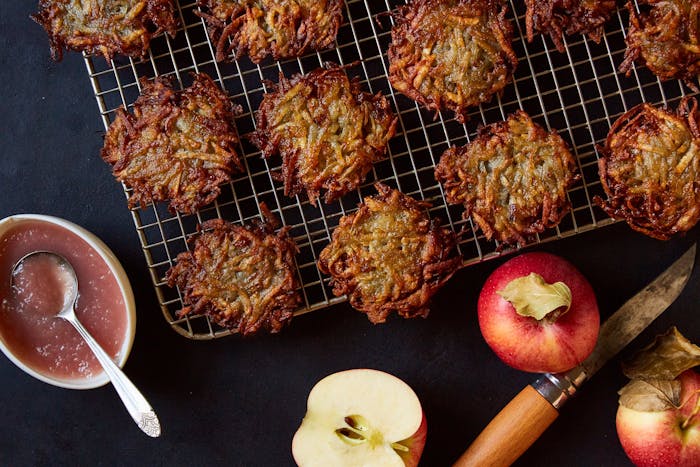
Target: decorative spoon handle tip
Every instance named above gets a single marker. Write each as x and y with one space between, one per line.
149 424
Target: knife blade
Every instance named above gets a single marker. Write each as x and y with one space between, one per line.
528 415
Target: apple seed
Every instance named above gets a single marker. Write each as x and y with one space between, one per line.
352 434
357 422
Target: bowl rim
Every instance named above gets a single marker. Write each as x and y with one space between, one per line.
122 279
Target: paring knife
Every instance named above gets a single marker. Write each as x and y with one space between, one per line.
528 415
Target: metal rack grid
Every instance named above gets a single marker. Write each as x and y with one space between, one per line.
579 93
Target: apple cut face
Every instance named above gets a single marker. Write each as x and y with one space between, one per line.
361 417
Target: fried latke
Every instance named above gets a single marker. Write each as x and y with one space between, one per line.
512 179
559 17
327 130
105 27
242 277
451 54
176 146
650 169
281 28
389 256
665 36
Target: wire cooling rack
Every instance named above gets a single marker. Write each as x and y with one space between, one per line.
579 93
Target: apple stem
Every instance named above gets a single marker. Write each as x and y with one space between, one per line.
399 447
692 415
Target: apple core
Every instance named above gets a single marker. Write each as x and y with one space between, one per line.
358 431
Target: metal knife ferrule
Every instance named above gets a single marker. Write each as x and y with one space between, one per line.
559 388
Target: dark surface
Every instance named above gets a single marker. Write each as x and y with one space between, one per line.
239 401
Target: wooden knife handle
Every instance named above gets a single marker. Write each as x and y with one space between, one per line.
511 432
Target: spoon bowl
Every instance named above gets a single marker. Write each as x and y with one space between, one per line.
64 277
60 269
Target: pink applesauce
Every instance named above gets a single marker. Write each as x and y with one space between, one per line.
28 326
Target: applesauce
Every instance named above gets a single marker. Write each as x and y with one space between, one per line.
28 326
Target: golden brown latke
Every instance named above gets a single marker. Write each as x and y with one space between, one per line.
512 179
559 17
176 146
389 256
327 130
242 277
105 27
281 28
650 169
451 54
665 36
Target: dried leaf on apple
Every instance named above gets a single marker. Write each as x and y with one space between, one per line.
651 396
667 357
657 419
532 296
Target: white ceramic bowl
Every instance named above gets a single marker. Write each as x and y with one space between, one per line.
99 379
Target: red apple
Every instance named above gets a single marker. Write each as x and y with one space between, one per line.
361 417
539 313
664 438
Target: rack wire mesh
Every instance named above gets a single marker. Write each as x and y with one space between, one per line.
579 93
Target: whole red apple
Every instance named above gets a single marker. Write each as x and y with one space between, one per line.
539 313
665 438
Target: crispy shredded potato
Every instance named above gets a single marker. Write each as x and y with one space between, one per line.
559 17
176 146
327 130
281 28
242 277
665 36
650 169
451 54
389 256
512 179
105 27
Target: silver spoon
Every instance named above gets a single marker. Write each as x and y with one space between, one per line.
137 405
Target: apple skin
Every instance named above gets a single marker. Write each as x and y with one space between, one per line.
391 412
523 342
416 445
653 439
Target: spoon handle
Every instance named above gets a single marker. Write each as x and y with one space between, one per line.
137 405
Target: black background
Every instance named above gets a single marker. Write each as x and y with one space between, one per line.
239 401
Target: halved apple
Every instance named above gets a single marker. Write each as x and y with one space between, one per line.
361 417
